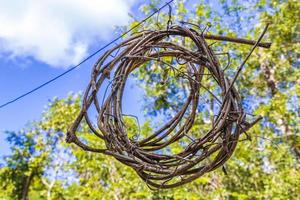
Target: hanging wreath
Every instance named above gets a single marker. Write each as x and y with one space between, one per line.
149 155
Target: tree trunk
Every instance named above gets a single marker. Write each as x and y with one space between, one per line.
283 126
269 76
27 186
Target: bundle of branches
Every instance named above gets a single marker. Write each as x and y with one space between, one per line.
148 156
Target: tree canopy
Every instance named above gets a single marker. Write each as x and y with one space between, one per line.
42 166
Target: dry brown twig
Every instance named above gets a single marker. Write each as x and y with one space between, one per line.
145 156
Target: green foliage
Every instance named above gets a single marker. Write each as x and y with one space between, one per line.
267 167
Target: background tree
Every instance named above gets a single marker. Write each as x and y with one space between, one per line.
42 166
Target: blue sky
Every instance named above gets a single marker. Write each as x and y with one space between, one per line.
30 54
41 39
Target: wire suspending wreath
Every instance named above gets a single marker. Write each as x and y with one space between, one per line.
147 156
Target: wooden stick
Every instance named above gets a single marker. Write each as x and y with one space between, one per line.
266 45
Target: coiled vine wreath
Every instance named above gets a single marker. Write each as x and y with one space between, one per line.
148 155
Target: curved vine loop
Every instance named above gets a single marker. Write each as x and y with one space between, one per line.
150 155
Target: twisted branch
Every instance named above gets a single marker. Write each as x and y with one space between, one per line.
148 156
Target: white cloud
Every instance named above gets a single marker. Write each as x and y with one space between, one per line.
57 32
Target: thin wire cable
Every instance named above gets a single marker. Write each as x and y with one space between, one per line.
84 60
